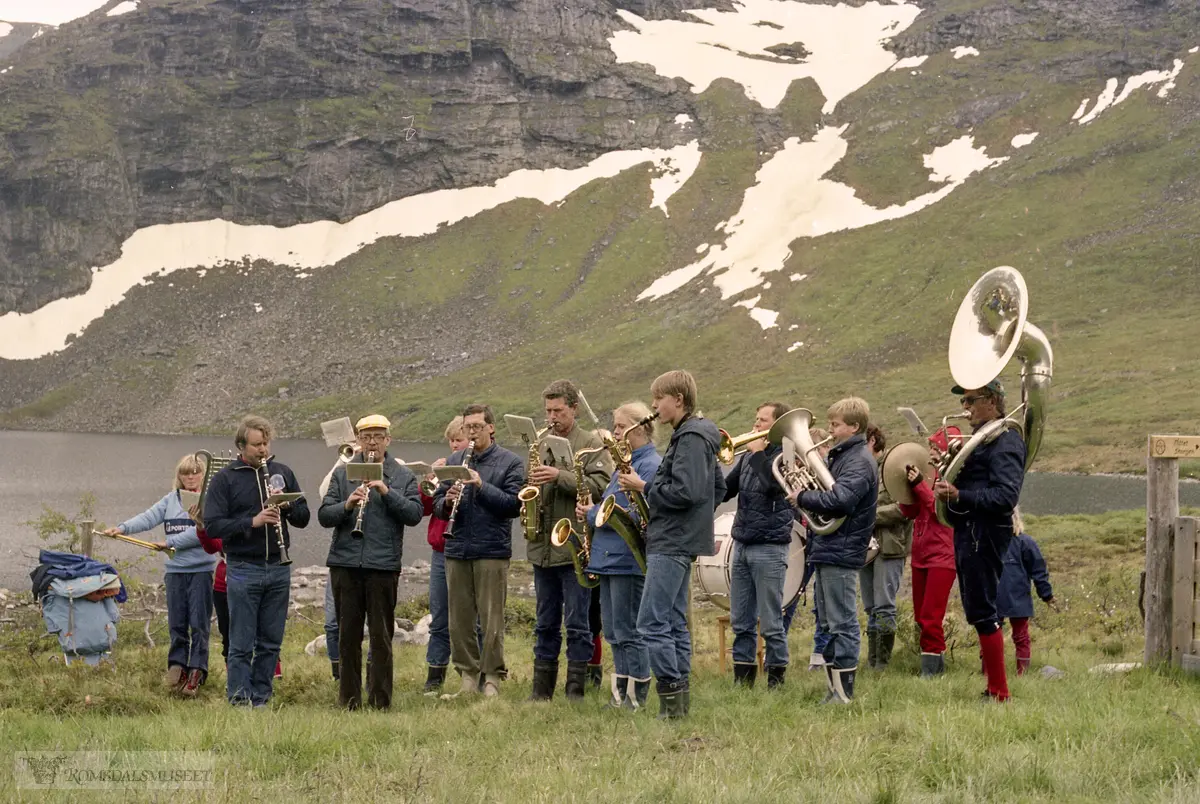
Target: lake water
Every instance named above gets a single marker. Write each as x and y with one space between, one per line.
129 473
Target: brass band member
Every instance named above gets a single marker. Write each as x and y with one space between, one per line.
981 508
364 570
762 535
683 496
559 595
258 586
621 579
479 549
880 580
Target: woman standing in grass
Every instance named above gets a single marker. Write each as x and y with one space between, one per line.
188 580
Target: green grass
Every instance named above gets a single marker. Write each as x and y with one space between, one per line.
1085 737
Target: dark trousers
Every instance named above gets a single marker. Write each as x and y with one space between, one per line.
979 557
189 618
365 596
221 606
559 598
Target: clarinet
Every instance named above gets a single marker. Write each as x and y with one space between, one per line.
362 506
265 490
458 484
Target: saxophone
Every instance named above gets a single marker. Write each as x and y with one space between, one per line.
530 495
579 542
632 531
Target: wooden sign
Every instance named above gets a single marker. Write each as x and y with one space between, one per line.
1174 446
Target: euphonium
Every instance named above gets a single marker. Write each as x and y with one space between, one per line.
578 541
362 506
530 495
462 490
807 472
991 327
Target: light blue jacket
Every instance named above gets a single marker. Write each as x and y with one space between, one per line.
181 534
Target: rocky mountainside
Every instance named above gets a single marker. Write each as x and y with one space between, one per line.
283 112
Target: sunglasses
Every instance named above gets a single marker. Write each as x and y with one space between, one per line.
971 400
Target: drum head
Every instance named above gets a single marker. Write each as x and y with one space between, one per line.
795 568
712 573
893 474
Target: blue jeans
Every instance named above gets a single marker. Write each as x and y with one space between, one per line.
620 600
331 624
662 618
821 634
437 654
559 598
757 573
880 581
258 602
837 593
189 618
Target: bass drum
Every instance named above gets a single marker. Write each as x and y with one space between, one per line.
713 573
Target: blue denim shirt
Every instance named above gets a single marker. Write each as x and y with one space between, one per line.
610 554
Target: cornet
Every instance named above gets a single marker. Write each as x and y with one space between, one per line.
170 551
733 446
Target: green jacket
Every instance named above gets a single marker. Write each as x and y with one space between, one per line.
893 529
558 498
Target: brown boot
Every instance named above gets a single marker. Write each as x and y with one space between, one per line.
175 678
192 686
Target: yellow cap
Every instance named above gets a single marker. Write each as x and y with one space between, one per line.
372 422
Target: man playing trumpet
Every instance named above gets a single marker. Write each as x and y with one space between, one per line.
364 566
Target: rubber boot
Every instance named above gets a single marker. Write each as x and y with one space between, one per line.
842 680
744 674
595 676
435 679
992 647
775 676
620 690
545 678
830 693
576 676
930 665
670 700
638 695
887 642
335 667
595 669
1022 665
872 648
816 661
687 696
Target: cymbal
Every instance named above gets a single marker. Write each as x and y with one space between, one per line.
893 474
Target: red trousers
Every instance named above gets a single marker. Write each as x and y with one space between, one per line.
931 591
1020 638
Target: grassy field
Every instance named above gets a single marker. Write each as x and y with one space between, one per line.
1083 737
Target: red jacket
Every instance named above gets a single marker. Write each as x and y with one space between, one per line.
933 542
212 545
437 526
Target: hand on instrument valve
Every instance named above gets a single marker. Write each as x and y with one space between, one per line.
944 491
267 516
357 497
453 493
542 475
581 510
629 481
913 474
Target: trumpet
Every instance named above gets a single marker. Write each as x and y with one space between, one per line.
579 541
346 453
458 484
264 491
362 506
170 551
733 446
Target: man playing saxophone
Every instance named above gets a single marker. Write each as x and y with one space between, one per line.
478 550
559 595
364 569
622 579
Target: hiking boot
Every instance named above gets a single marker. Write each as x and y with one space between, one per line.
576 675
491 686
192 686
435 679
744 674
887 643
175 678
775 675
470 684
670 700
545 677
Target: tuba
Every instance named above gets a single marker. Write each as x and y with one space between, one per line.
579 542
530 495
807 470
991 327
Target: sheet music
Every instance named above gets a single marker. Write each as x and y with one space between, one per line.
560 448
337 432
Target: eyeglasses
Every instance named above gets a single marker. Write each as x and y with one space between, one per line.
372 437
475 427
968 401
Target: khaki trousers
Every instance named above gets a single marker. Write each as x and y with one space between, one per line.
477 588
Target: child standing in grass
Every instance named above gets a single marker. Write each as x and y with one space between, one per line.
1023 563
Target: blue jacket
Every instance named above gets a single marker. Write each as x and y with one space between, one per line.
610 554
685 492
1023 562
234 499
855 489
483 525
989 484
764 515
181 534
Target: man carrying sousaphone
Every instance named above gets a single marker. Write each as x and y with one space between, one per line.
980 504
368 520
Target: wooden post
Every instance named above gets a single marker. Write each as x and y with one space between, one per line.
1183 589
85 536
1162 509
